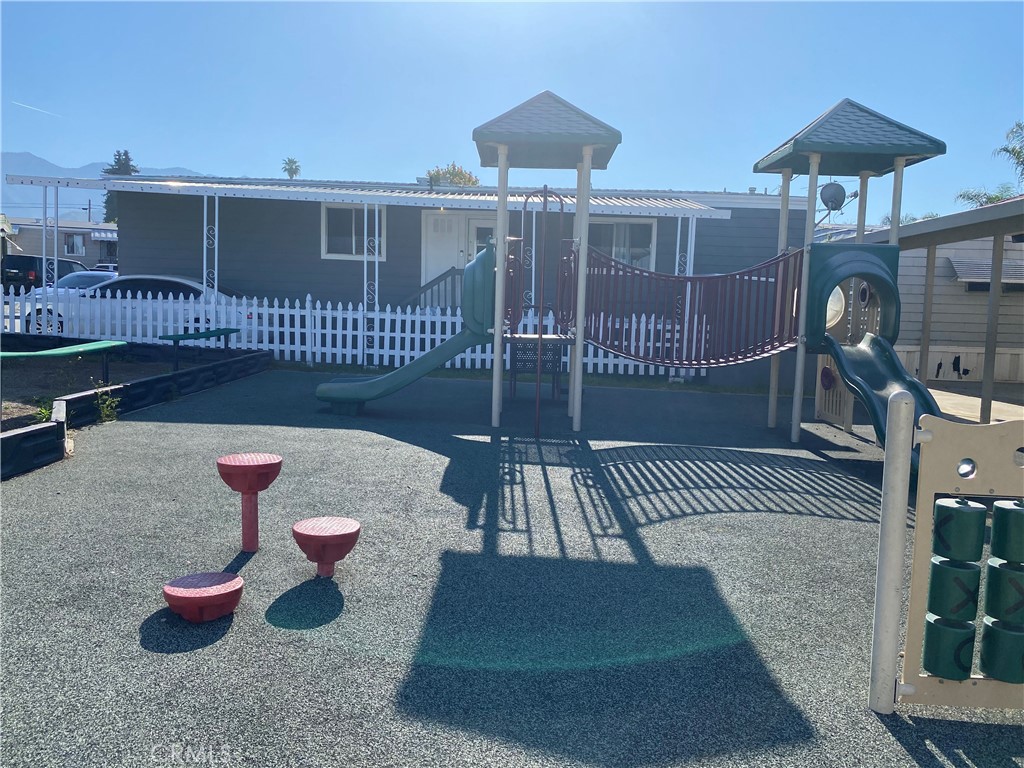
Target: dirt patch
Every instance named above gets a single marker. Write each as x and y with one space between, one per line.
29 386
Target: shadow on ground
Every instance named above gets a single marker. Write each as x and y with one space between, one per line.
308 605
610 664
166 632
936 743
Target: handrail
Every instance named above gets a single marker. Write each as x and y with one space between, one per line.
698 321
448 284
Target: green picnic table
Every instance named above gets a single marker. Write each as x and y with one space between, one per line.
74 349
213 333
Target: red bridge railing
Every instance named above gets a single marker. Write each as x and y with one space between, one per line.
701 321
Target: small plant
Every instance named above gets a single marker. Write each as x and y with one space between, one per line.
105 402
44 409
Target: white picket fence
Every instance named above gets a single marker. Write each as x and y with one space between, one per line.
309 331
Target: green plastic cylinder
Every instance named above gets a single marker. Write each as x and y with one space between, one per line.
1008 530
953 589
948 647
1002 651
1004 591
959 529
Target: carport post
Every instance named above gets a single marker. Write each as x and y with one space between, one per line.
805 274
988 370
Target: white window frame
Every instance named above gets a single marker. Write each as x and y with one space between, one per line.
81 239
634 220
357 208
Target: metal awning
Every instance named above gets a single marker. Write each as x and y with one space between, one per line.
602 203
104 234
975 270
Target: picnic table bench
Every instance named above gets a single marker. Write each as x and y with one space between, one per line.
73 349
213 333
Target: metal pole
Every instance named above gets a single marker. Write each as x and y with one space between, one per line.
216 245
862 206
583 214
897 199
376 256
782 245
56 262
926 319
42 277
892 543
988 368
500 246
206 220
691 258
679 240
805 274
575 236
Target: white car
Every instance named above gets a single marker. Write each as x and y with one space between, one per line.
170 317
76 282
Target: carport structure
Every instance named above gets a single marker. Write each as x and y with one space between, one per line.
998 221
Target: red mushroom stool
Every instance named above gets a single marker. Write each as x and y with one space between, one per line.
249 473
201 597
326 540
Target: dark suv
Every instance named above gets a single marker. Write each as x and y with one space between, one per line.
27 271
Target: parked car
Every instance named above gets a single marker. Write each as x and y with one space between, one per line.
75 283
170 316
24 271
106 267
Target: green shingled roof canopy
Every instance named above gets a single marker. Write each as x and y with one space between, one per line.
546 132
851 138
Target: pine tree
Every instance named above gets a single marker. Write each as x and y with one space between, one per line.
122 166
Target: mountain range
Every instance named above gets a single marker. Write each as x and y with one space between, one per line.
22 201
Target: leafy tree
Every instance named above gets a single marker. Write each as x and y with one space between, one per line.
1012 150
122 166
979 196
908 218
291 166
453 175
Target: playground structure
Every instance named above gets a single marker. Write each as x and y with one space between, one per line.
840 301
969 480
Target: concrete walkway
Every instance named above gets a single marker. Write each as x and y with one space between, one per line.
676 586
968 406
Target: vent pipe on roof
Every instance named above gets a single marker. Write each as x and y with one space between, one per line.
751 190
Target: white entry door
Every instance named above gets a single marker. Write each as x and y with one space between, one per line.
452 239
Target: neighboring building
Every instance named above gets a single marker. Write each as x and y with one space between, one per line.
82 241
286 239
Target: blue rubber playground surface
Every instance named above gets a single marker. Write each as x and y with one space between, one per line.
674 586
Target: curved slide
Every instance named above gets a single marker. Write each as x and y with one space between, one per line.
872 371
359 389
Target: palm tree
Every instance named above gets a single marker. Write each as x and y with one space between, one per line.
1013 149
291 167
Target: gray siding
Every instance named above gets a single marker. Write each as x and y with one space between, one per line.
30 240
267 247
959 317
750 237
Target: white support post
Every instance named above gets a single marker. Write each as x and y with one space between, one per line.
366 255
926 319
862 206
379 239
500 247
583 214
575 236
679 241
216 245
206 235
782 245
892 543
805 274
897 200
988 369
56 252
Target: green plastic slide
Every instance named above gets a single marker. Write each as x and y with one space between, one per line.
477 318
872 371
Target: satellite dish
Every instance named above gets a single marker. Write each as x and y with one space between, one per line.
833 196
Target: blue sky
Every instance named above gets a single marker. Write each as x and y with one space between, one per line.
385 91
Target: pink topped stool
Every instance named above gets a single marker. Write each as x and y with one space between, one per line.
201 597
249 473
326 540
